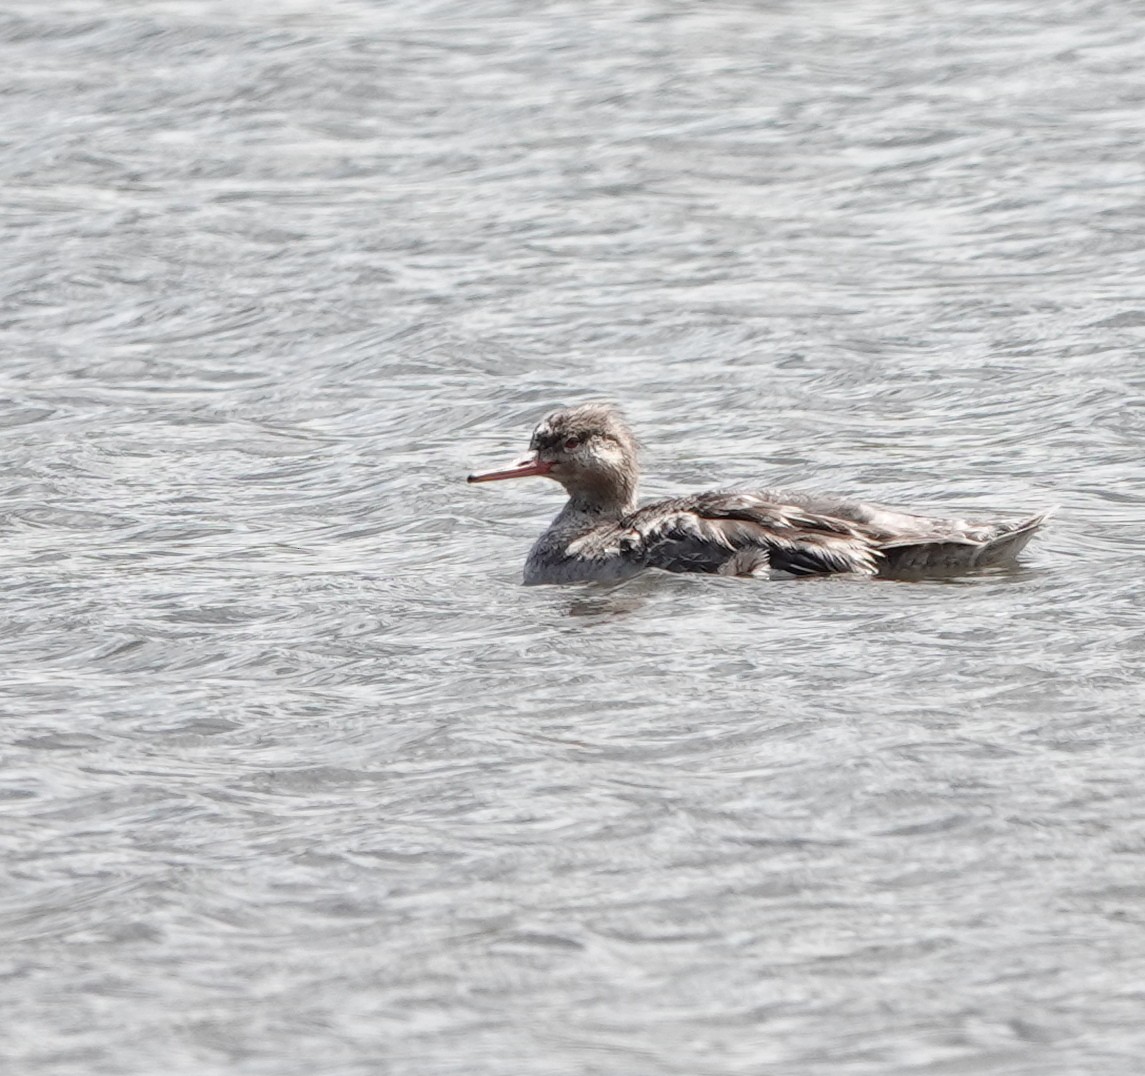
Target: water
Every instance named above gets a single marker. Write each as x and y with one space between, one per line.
296 779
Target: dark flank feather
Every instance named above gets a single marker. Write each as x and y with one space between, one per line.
704 532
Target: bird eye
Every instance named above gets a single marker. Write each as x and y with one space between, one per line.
572 443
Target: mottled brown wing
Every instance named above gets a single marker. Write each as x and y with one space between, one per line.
709 531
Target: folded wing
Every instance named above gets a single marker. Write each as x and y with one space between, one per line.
743 533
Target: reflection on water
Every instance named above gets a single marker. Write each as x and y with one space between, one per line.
297 777
612 602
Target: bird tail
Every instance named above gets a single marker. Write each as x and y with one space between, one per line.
944 553
1008 543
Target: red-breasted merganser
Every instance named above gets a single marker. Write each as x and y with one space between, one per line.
601 534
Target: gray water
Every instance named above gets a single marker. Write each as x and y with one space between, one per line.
296 779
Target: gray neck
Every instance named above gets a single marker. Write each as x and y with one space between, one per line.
607 504
605 492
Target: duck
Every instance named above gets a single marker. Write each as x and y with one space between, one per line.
602 534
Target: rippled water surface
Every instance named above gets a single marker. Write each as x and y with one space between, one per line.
296 779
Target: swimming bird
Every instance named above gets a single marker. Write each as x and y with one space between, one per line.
602 535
